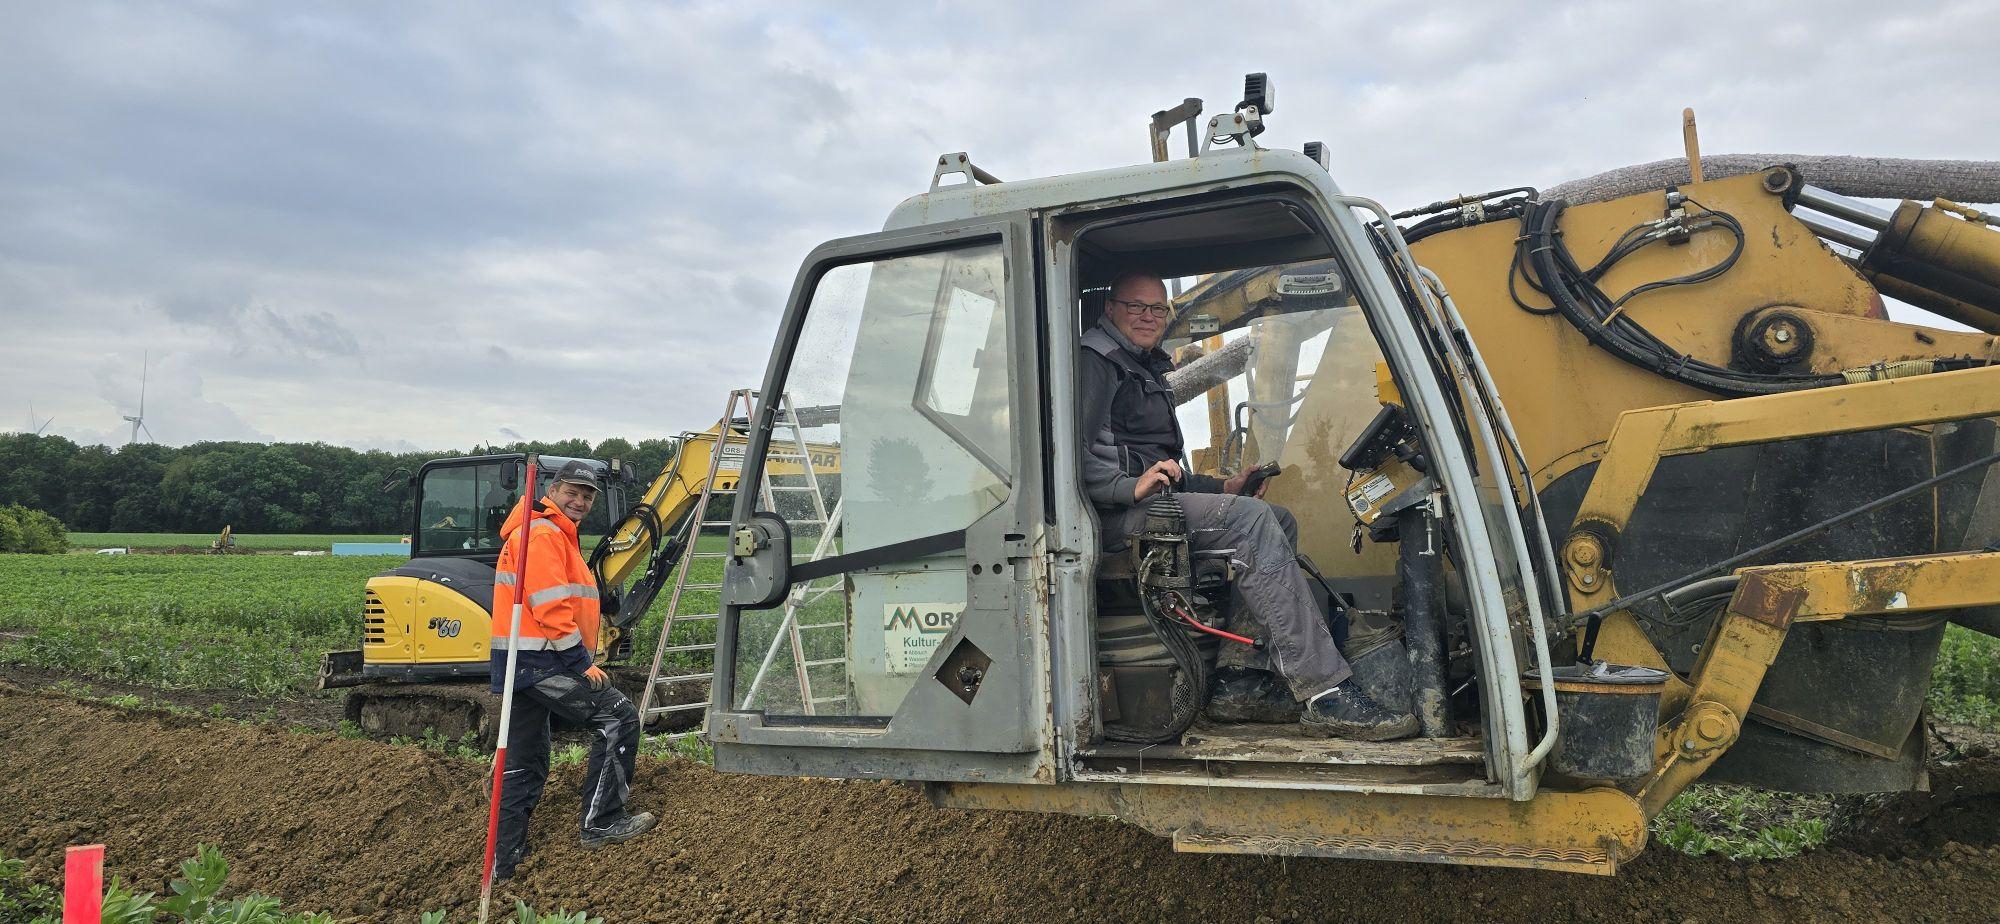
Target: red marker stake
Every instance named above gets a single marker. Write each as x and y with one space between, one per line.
507 690
83 884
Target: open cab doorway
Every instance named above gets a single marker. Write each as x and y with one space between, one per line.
1276 362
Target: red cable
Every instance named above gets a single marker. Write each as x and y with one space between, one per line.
1188 618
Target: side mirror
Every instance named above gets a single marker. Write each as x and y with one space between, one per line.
758 573
510 477
399 479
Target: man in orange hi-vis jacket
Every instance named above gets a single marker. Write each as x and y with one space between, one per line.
554 676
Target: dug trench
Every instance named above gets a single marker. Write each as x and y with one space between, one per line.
374 832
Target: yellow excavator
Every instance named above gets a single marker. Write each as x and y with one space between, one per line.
1616 488
423 662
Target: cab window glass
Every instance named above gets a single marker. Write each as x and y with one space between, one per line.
903 363
461 508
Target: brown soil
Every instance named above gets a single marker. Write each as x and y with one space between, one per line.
310 710
1963 804
197 550
376 833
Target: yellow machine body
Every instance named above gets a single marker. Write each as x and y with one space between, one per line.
422 625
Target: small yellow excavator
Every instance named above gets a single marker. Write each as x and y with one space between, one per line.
422 665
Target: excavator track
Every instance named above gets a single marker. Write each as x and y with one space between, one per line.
454 710
412 710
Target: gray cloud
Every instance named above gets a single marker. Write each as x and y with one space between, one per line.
391 224
265 331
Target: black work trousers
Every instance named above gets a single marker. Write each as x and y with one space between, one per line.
613 723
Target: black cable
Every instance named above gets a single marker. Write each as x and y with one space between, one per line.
1574 293
1514 269
647 533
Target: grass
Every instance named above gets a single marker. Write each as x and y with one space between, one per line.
1742 823
253 623
270 542
1965 682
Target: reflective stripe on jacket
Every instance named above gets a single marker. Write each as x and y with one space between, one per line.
559 623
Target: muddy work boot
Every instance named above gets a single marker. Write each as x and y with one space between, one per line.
1346 712
1246 695
620 831
507 862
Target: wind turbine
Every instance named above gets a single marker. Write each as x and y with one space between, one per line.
139 422
36 428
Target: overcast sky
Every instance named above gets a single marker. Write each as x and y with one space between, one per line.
421 226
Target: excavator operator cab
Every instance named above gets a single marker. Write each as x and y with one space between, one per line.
961 616
462 502
976 624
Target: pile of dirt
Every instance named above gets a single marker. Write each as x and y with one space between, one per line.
195 550
377 832
1962 805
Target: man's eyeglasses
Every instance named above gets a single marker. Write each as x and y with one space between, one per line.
1140 308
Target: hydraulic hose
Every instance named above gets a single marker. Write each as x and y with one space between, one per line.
1574 294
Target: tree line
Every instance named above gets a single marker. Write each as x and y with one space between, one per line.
253 487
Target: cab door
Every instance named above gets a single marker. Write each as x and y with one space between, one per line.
911 643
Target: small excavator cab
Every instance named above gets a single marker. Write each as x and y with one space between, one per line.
462 502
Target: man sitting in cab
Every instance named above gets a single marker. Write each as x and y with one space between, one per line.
1134 450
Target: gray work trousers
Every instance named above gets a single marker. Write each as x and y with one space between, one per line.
1273 601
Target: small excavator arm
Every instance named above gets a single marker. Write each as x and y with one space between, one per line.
658 526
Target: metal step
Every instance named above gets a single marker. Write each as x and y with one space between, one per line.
683 678
1362 847
682 707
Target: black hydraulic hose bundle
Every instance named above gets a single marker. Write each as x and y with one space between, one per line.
1165 568
622 607
1574 294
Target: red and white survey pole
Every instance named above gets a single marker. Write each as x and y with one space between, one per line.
532 504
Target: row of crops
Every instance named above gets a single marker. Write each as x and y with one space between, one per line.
269 542
252 622
256 623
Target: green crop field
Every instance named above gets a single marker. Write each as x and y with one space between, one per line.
269 542
250 622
